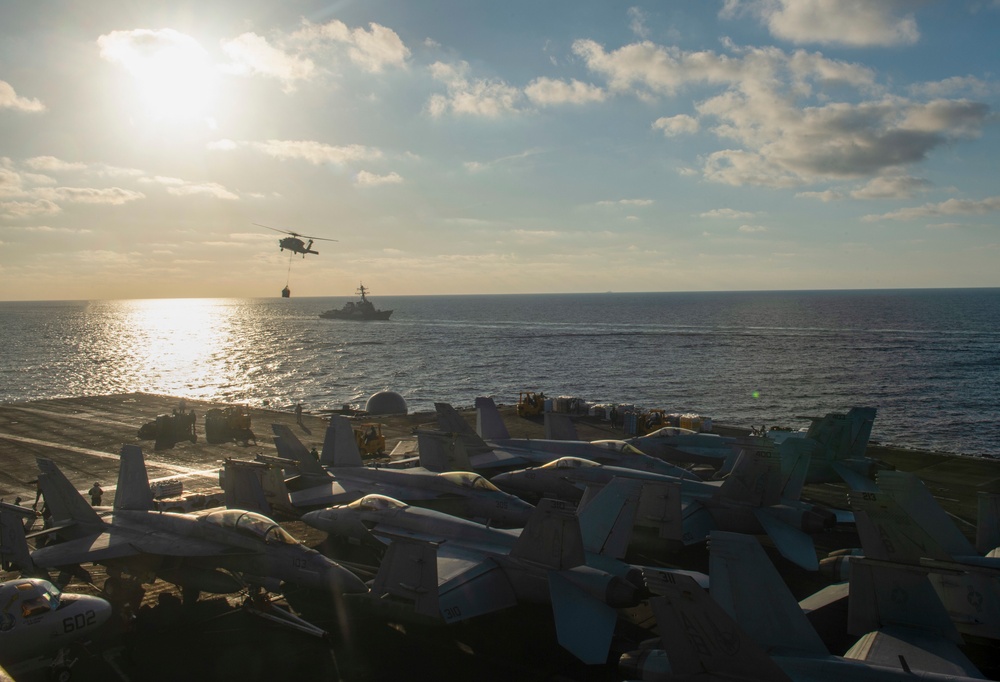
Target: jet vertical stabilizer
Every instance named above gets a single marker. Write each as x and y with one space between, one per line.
912 495
552 537
450 421
408 571
290 447
489 422
13 544
988 530
559 426
700 641
133 492
64 501
440 452
340 449
606 523
584 625
749 588
889 533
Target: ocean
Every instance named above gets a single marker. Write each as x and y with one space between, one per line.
929 360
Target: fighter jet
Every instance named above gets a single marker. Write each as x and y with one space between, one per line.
903 524
757 497
835 443
340 476
37 619
454 569
213 551
752 629
507 453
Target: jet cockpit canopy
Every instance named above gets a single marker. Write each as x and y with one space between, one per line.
252 524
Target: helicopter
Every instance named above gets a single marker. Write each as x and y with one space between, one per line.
294 242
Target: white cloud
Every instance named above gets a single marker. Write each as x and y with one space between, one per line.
115 196
305 150
752 229
372 50
10 100
637 22
727 213
213 189
956 85
22 209
676 125
825 196
252 54
626 202
890 187
476 97
949 207
53 165
367 179
855 23
548 92
776 109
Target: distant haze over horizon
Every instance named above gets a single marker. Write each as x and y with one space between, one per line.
497 148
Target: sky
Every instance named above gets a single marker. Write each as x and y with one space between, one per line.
456 147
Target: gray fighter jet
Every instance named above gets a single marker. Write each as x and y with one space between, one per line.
460 569
214 551
752 629
500 454
340 476
903 524
757 497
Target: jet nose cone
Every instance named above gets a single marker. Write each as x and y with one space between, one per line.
101 608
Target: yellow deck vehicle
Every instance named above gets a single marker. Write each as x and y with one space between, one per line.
530 404
369 438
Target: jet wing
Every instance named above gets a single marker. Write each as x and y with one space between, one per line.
327 494
111 545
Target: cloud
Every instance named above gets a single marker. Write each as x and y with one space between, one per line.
825 196
676 125
772 108
548 92
476 97
115 196
637 22
10 100
373 50
23 209
890 187
751 229
626 202
956 85
252 54
305 150
52 165
949 207
727 213
854 23
366 179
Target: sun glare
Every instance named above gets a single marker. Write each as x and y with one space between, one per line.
174 76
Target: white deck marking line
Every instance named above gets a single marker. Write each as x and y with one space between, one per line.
178 469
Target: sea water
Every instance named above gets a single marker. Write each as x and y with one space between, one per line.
929 360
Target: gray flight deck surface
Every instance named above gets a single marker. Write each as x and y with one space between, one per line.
215 640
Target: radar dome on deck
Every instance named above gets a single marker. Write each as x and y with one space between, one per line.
386 402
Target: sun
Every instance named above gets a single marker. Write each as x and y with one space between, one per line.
173 75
